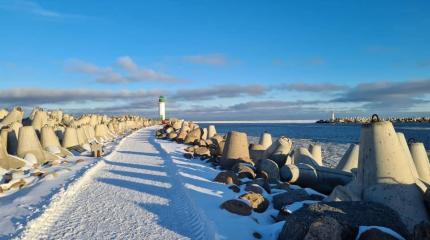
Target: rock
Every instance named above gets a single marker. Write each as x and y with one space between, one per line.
243 170
202 151
254 188
283 186
194 135
256 200
262 183
328 228
237 206
189 149
376 234
188 155
422 231
296 195
172 135
227 177
257 235
347 213
271 168
234 188
80 160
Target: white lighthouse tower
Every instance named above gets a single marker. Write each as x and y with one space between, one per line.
162 108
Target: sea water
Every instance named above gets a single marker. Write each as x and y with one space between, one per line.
334 138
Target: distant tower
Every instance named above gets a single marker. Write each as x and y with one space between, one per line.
332 117
162 108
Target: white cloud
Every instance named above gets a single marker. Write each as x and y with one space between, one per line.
33 8
209 59
133 73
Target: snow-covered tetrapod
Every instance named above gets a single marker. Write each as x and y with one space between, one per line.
235 150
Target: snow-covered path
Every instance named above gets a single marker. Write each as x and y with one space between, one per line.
137 193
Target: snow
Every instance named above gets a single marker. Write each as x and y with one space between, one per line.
20 206
145 189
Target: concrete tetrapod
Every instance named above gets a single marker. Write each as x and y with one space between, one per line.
28 143
51 143
384 175
40 119
205 134
302 155
193 135
70 138
235 150
279 150
211 131
266 139
8 161
15 115
82 139
10 139
315 150
421 160
405 148
3 113
349 160
322 179
257 152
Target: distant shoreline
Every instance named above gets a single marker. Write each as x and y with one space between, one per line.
260 121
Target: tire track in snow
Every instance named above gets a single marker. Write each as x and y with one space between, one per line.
139 208
200 226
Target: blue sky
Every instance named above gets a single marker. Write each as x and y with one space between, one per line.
220 60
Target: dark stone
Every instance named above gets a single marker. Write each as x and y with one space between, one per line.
257 235
188 155
262 183
257 201
422 231
234 188
254 188
236 206
289 197
227 177
376 234
328 228
347 213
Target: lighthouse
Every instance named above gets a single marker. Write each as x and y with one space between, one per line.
162 108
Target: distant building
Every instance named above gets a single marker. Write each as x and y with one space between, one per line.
162 108
332 117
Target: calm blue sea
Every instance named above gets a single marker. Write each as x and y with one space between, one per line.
334 133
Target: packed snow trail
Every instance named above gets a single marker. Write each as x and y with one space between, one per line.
136 193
